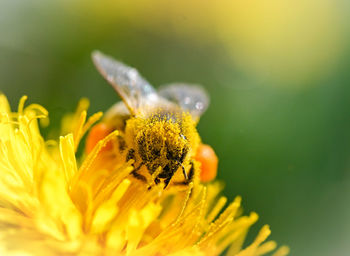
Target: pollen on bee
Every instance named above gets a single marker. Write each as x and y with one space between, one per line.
158 131
166 141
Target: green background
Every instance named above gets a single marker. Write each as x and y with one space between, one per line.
278 76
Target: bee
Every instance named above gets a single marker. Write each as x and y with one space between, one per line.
157 128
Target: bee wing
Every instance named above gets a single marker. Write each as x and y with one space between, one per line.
190 97
134 90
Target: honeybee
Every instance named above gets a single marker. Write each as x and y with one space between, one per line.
157 128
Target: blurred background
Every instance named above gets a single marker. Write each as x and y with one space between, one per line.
278 73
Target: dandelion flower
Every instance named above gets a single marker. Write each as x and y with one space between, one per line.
52 203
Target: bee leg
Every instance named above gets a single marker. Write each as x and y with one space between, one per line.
184 172
191 173
190 177
131 155
166 182
155 178
137 175
121 143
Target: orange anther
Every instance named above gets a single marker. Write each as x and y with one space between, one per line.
209 162
97 133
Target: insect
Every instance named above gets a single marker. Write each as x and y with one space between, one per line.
157 128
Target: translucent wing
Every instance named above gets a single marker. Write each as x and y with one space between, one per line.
191 98
134 90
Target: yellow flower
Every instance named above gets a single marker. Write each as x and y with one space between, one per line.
52 205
